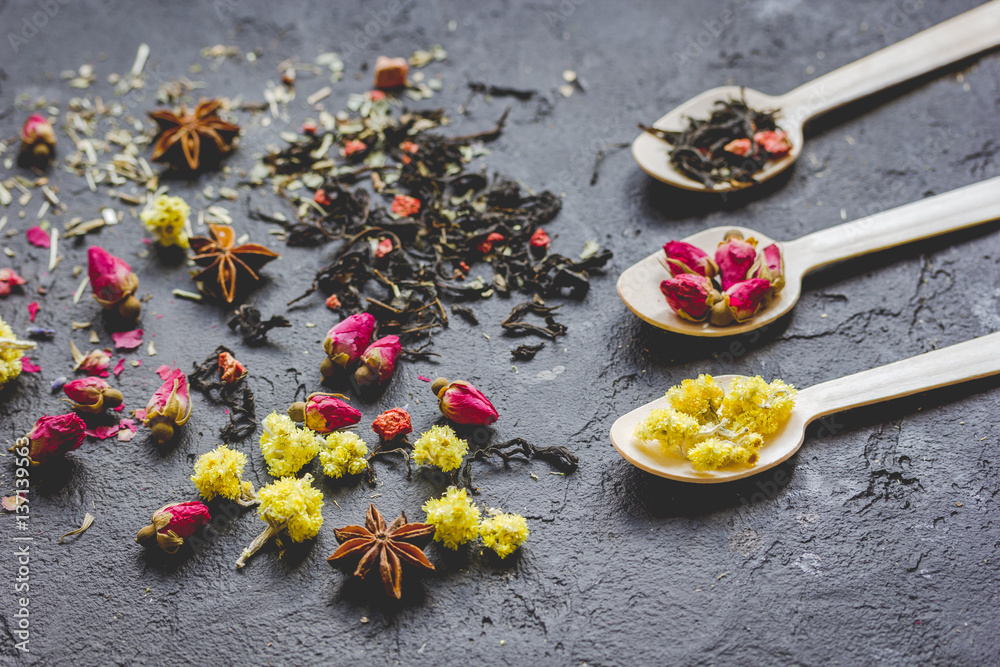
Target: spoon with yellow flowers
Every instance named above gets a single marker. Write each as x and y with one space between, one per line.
731 137
720 429
729 280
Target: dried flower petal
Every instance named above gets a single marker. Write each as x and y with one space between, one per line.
38 237
405 206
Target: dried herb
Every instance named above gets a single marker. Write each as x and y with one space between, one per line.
599 159
516 325
560 457
252 327
237 396
526 352
731 145
465 312
229 267
193 140
387 546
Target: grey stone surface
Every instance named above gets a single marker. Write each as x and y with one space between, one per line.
876 544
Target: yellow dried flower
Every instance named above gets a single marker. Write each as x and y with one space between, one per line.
286 447
293 505
166 218
715 453
220 473
699 398
440 446
344 453
670 428
454 517
754 404
10 355
503 532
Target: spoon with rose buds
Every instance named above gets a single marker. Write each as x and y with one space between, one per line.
971 360
639 285
965 35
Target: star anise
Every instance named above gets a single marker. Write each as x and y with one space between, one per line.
230 267
391 546
193 139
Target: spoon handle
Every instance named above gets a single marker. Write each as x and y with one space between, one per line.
965 207
965 35
973 359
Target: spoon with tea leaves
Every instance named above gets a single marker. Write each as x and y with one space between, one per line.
973 359
640 285
965 35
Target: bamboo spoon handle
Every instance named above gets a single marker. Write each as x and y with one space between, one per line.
973 359
965 35
948 212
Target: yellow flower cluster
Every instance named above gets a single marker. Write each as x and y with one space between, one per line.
755 404
10 357
166 218
220 473
700 398
454 517
344 453
503 532
293 504
440 446
286 447
713 428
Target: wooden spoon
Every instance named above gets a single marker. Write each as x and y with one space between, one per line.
965 35
973 359
639 285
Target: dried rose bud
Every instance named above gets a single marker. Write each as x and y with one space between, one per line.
774 143
95 363
354 146
392 423
172 524
539 241
113 282
774 262
346 341
53 436
390 72
738 147
169 407
9 279
384 248
92 394
690 295
683 257
230 370
735 258
378 362
462 403
487 245
324 413
404 206
745 298
38 142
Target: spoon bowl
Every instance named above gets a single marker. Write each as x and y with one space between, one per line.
973 359
639 285
965 35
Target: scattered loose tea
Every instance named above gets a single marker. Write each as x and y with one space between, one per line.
224 383
253 327
526 352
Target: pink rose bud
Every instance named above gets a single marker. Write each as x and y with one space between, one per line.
346 341
95 363
686 258
690 295
774 142
735 258
9 279
772 267
113 282
378 362
462 403
52 437
745 298
169 407
738 147
38 142
324 413
172 524
92 394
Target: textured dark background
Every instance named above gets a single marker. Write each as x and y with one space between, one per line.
877 543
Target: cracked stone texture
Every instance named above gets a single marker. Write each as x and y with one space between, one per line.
876 544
